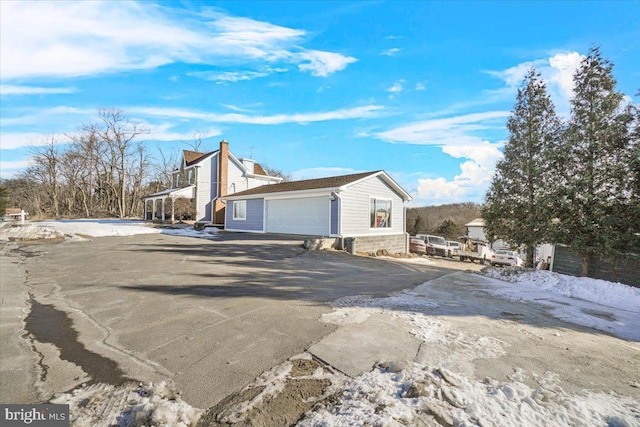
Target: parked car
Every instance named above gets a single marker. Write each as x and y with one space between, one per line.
417 246
504 257
453 248
436 245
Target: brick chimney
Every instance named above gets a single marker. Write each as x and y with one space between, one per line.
223 181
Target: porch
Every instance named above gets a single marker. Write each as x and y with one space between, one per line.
171 204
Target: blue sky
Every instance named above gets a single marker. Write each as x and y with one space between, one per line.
419 89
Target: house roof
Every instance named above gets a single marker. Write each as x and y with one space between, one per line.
258 170
307 184
478 222
193 157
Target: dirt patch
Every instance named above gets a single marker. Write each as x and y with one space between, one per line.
282 401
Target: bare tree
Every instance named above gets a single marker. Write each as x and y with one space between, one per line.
46 159
118 134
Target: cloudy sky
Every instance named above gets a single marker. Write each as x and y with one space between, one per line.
419 89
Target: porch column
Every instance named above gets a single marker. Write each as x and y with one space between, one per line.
173 209
163 199
153 209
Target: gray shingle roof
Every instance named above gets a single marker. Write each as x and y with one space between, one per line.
307 184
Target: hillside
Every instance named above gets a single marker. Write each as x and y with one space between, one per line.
444 220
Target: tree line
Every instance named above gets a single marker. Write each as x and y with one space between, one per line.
102 170
446 220
574 182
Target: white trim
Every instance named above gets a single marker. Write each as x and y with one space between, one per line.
395 233
385 176
245 231
390 226
233 208
297 194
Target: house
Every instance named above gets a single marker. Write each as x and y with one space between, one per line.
367 209
475 230
202 179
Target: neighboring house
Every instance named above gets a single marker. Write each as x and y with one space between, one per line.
203 178
475 230
369 207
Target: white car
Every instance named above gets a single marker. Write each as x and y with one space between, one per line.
453 248
504 257
436 245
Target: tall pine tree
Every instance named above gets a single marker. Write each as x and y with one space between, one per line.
516 207
596 178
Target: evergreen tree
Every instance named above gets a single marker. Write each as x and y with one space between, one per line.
516 207
596 185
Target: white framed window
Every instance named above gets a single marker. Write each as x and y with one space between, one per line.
240 210
380 213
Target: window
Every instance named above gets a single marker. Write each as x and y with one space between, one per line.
380 213
240 210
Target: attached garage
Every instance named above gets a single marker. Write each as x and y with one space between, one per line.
367 208
295 216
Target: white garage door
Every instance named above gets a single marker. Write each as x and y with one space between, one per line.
298 216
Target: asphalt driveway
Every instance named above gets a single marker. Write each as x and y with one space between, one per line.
207 315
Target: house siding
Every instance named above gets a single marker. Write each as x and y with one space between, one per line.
335 215
255 216
237 180
355 205
203 188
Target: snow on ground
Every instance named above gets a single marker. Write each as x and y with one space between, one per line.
127 406
599 304
400 393
79 229
616 295
421 395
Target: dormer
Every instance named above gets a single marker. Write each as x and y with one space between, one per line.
249 164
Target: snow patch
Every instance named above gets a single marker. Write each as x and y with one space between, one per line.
599 304
151 404
599 291
424 395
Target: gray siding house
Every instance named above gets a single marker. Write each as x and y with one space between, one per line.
368 207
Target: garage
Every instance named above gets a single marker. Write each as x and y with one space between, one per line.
309 216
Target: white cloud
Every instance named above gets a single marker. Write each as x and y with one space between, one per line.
34 90
557 71
228 76
323 63
47 115
367 111
457 130
163 132
235 76
470 184
396 87
13 140
420 86
458 137
88 38
322 172
18 164
390 52
562 69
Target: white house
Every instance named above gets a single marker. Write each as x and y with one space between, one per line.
475 230
203 178
369 207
